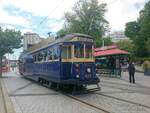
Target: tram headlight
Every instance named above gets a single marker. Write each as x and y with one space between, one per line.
77 76
89 70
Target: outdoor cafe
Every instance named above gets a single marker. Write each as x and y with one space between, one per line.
110 60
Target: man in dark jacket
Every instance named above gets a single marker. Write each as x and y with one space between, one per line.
131 69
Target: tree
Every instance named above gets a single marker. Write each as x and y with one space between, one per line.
138 31
88 18
132 29
148 46
126 45
107 41
9 40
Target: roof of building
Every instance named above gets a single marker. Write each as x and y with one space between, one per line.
110 52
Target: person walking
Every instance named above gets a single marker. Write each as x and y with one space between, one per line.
131 69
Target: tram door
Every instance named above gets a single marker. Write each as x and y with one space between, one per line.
66 63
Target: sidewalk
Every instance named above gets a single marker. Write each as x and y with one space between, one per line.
139 69
140 78
5 102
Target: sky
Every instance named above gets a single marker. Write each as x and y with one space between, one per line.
43 16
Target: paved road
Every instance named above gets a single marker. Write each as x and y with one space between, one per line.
28 97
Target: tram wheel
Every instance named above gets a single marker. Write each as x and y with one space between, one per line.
53 85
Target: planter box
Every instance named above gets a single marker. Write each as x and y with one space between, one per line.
147 72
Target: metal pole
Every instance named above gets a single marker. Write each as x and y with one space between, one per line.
103 43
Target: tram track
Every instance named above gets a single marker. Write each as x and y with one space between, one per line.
82 101
91 105
138 84
123 100
101 108
128 85
127 89
21 88
32 94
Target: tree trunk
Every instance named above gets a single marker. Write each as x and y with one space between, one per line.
0 66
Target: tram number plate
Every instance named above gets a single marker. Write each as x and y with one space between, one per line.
88 75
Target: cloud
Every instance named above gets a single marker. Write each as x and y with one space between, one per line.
56 26
26 30
32 12
43 8
14 20
8 27
122 11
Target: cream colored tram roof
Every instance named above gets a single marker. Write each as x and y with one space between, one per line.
47 42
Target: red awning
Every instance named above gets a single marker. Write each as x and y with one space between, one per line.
110 52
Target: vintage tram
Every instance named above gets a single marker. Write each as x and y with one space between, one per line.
66 61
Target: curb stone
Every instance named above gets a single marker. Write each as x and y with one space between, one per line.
7 102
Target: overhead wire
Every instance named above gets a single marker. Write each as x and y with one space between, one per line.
112 2
44 19
51 12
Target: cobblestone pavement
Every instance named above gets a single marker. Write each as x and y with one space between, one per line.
29 97
140 78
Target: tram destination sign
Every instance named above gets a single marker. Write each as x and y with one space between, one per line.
82 39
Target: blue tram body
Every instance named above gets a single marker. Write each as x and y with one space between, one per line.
68 60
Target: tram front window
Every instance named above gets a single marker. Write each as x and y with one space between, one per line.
88 51
66 52
79 51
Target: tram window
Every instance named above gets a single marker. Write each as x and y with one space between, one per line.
56 52
34 58
79 51
50 54
40 57
44 54
88 51
66 52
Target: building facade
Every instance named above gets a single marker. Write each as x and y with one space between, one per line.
118 36
30 39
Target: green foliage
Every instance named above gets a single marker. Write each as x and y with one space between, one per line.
132 29
107 41
9 40
126 45
146 65
87 18
139 32
142 59
148 46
